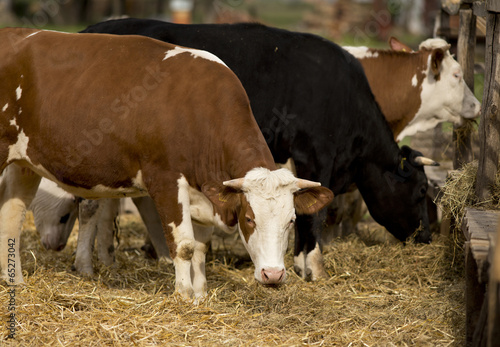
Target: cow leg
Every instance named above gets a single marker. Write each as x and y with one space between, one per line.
152 220
88 220
17 190
308 258
202 237
171 197
107 213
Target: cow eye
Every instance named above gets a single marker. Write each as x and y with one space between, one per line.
64 218
250 221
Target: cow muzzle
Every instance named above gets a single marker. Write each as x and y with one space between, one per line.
53 243
272 276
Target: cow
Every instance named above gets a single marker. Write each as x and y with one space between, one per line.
313 104
54 213
106 116
417 90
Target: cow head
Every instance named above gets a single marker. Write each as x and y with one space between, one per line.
444 94
265 203
399 203
55 212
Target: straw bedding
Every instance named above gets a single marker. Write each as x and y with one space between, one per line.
459 192
380 295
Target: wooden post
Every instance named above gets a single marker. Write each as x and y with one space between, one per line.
462 136
489 129
493 331
474 295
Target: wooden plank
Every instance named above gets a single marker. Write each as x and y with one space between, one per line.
478 223
493 6
479 8
462 136
489 126
493 332
474 295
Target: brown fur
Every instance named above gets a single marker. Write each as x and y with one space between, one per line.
99 108
390 77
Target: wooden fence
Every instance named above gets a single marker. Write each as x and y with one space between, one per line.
481 227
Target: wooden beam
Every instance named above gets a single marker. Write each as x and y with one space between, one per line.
479 8
493 6
462 136
489 127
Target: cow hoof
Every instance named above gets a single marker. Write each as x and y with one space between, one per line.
165 261
83 270
305 275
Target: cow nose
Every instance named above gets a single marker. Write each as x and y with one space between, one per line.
272 275
51 243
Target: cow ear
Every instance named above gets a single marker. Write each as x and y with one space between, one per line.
226 201
311 200
221 196
398 46
437 57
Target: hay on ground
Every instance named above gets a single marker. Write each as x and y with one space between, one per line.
383 295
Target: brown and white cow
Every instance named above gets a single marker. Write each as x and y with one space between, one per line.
417 90
109 116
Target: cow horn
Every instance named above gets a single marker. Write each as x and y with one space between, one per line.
237 183
307 184
425 161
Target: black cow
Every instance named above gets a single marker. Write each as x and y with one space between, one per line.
313 103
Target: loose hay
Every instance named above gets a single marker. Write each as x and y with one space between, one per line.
386 294
459 193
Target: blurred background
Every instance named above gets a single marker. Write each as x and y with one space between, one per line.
361 21
346 22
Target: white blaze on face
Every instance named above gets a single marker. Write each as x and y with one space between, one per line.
443 99
270 195
196 53
19 93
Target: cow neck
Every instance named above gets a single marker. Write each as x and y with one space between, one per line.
396 81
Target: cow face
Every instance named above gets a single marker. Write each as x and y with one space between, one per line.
265 204
55 212
444 94
403 193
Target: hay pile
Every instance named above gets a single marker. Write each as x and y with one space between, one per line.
383 295
459 193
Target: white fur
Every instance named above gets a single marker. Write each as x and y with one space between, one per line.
13 122
434 43
19 93
414 80
195 53
270 195
37 32
18 150
50 204
5 107
447 99
361 52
